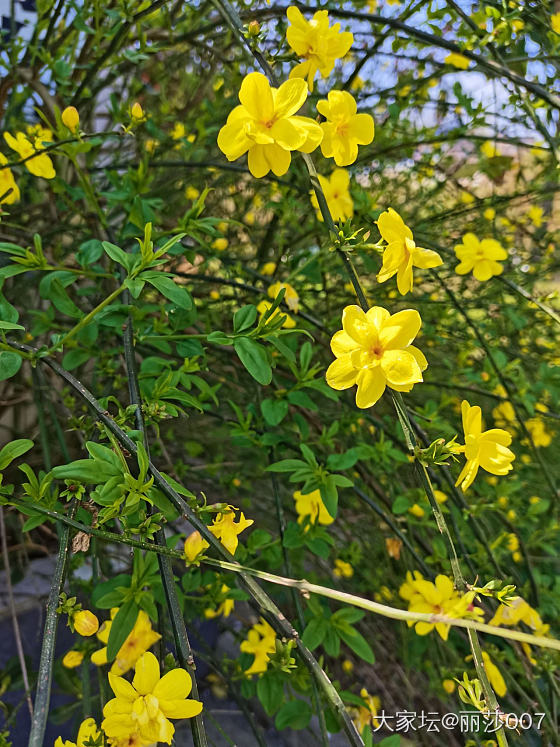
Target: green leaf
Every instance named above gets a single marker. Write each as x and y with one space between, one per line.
177 294
357 643
13 450
296 714
254 358
89 471
10 363
10 325
75 358
123 622
57 294
286 465
274 410
244 318
342 461
329 494
117 254
270 690
104 589
315 632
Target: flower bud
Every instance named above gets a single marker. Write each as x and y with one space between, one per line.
85 623
72 659
71 118
254 28
194 546
137 113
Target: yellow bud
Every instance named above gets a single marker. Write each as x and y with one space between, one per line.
137 112
72 659
517 557
511 515
214 295
85 623
417 511
268 268
254 28
220 244
194 545
71 118
347 666
192 193
449 686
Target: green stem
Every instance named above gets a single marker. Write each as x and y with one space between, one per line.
87 319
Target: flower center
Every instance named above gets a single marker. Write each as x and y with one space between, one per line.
376 351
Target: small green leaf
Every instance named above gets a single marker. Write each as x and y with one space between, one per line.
10 363
274 410
177 294
13 450
270 690
296 714
357 643
122 624
244 318
315 632
254 358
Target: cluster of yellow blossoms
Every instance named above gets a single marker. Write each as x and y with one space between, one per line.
261 642
437 598
224 527
266 124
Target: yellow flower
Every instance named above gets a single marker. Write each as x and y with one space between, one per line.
486 449
220 244
337 195
342 569
440 496
311 505
518 610
268 268
136 112
249 218
555 22
401 254
291 298
540 435
260 641
317 42
225 608
85 623
138 641
347 666
438 598
192 193
146 705
151 145
178 131
489 213
489 149
512 542
265 125
72 659
194 546
9 190
71 118
494 675
26 145
479 257
226 529
535 215
264 306
457 60
363 716
87 732
373 350
417 511
344 130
